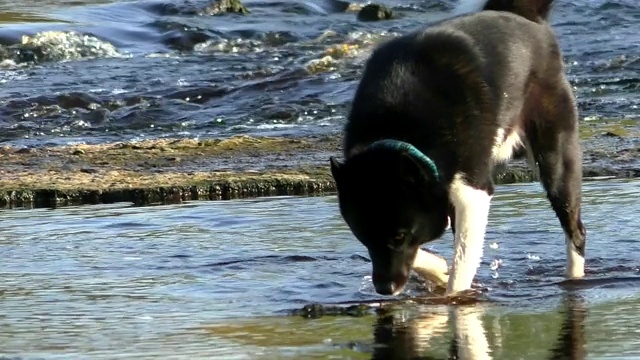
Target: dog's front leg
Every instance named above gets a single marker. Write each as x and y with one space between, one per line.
431 267
471 216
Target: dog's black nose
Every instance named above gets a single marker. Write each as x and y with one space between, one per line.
385 288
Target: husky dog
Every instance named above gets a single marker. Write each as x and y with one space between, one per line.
434 112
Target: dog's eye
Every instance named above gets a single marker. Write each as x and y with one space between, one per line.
398 240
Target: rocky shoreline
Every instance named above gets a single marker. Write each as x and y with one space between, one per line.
176 170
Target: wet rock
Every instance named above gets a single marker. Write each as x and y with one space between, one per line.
5 53
185 41
514 174
333 54
315 311
25 150
10 55
96 117
221 189
374 12
220 7
324 64
76 100
343 50
15 54
199 94
57 46
612 134
311 311
29 54
189 8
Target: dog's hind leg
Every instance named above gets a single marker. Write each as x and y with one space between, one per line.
553 136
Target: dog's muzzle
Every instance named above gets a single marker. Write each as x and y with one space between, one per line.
386 285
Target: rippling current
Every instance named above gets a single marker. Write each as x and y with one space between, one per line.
95 71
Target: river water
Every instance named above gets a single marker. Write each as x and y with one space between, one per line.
118 70
219 279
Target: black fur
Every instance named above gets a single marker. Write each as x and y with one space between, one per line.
537 10
447 90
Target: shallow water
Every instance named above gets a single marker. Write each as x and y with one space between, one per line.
217 280
173 72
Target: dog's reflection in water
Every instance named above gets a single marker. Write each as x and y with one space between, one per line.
416 336
464 334
571 340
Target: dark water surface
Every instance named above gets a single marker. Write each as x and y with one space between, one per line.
216 280
140 69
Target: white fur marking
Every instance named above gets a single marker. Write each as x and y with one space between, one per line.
471 336
472 213
431 267
503 148
575 262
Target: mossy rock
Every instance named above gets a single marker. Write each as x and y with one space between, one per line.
374 12
176 170
220 7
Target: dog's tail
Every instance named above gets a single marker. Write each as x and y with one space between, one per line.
534 10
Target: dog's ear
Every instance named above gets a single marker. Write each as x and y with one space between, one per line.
336 168
418 175
410 170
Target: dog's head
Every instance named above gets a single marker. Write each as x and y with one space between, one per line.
393 202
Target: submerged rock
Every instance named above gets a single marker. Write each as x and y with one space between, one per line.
315 311
326 63
330 60
5 53
216 7
220 7
374 12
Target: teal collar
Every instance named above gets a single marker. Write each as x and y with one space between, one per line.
405 146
